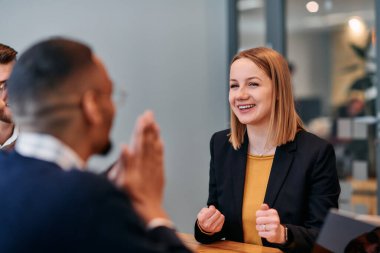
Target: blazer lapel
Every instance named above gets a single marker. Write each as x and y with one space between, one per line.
238 168
281 164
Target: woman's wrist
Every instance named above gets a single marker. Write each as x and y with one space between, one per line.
287 237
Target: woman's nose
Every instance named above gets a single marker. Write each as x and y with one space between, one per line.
242 94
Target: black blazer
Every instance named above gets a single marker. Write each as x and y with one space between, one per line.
303 185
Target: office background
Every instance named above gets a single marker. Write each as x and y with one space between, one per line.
172 56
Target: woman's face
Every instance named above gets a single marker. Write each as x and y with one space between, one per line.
250 94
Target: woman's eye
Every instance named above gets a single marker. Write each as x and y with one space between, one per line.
253 84
233 85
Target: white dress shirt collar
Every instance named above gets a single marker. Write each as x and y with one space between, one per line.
48 148
11 139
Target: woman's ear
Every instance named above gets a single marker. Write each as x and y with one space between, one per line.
90 108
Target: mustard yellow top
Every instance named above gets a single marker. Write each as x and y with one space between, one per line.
256 180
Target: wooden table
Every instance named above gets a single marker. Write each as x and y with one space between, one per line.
224 246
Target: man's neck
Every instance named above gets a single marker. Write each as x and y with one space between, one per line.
6 131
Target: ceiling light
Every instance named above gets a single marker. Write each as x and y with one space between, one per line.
312 6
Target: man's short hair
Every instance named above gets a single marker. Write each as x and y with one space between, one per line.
41 71
7 54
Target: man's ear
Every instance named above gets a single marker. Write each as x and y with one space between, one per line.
90 107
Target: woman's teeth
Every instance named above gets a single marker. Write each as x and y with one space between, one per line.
245 106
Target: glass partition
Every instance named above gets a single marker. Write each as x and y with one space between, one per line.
251 23
331 51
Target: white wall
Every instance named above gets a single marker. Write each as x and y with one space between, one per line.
170 56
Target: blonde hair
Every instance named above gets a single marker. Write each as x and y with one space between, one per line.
284 121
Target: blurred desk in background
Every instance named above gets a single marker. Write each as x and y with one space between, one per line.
364 193
224 246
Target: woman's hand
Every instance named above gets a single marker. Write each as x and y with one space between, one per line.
269 226
210 220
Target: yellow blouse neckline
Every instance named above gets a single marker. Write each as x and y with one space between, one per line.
259 157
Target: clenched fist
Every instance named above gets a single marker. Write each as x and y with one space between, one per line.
210 220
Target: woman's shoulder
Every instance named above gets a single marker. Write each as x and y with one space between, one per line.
221 138
307 139
223 134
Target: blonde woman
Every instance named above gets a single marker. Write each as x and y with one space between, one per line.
271 182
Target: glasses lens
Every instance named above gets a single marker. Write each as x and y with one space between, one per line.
119 96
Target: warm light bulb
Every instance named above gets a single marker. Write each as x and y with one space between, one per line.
356 24
312 6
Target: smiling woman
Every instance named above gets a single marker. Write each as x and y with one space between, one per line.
265 162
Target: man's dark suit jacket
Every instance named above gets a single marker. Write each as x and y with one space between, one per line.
303 185
46 209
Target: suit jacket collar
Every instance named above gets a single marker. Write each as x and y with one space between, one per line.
282 161
240 162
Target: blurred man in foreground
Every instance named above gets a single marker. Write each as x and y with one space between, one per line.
60 95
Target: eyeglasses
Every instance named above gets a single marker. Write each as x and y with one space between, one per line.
3 87
119 96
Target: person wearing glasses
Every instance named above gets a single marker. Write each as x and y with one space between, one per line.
8 131
271 182
61 97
